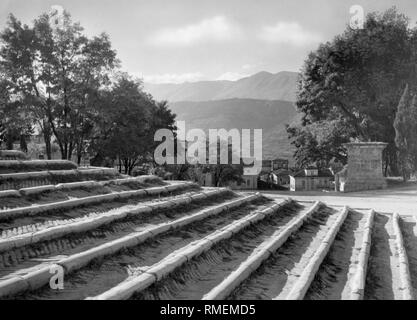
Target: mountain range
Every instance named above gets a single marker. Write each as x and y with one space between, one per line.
262 101
269 115
263 85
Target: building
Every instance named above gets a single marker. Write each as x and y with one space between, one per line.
274 164
264 176
310 179
274 174
280 177
206 180
279 164
250 182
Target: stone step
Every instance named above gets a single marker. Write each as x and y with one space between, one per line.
20 180
36 279
14 166
77 185
91 200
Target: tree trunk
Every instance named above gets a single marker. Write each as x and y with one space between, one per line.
48 148
47 134
23 143
131 167
120 165
9 140
70 150
9 144
125 164
79 150
404 172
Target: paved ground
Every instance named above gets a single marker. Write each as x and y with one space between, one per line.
401 199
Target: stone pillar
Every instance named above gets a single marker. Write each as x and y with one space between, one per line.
364 168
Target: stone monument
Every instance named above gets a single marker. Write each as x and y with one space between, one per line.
364 167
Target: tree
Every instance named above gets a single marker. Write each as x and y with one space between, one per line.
357 79
413 133
16 120
15 123
405 133
320 142
75 68
161 117
57 71
223 173
128 119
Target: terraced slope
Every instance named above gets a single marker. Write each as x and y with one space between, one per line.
143 238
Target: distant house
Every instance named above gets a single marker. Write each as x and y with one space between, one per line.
279 164
266 165
280 177
264 176
276 179
206 179
250 182
312 179
274 164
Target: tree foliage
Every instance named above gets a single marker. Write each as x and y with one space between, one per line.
57 72
127 121
223 173
68 87
351 86
405 125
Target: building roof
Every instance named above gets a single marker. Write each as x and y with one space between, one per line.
275 159
264 172
282 172
321 173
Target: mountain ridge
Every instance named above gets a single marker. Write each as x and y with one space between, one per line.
262 85
269 115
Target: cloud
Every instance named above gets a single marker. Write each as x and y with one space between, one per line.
174 77
248 66
232 76
216 29
289 33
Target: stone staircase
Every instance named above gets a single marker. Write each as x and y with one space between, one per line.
118 237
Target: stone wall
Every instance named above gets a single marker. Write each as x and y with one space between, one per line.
364 168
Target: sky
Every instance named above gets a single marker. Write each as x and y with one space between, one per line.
176 41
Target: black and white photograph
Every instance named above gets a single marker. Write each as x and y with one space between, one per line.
208 155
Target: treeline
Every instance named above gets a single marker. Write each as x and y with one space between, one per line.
351 87
57 82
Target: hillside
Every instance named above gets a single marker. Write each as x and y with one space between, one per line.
271 116
262 85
